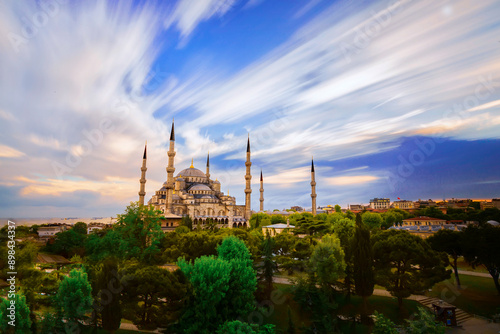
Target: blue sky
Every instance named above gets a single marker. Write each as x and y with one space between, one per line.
392 98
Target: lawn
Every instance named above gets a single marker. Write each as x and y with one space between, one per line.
462 265
478 295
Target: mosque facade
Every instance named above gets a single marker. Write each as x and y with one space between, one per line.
192 192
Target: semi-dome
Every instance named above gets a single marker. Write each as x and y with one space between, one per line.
200 186
191 172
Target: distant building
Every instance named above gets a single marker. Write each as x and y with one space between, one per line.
403 205
48 232
380 203
424 204
356 207
423 221
94 227
276 228
495 203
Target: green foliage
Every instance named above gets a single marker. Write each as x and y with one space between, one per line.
259 219
383 325
68 243
278 219
80 227
182 229
449 242
107 290
268 266
338 209
21 316
481 247
153 297
74 297
424 323
372 220
405 263
238 327
319 304
327 261
223 287
362 260
394 216
102 244
187 222
140 231
51 323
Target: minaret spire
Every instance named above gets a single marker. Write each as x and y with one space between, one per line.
142 191
313 188
261 192
208 166
248 178
170 172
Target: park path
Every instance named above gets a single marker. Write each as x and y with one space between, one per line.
473 273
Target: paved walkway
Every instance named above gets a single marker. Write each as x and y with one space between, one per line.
474 273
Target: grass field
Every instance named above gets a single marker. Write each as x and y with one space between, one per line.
478 295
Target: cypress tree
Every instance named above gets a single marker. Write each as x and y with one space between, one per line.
363 262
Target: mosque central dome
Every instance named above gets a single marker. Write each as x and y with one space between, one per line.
191 172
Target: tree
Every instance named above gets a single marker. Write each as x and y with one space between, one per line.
68 243
238 327
187 222
383 325
269 266
327 261
20 321
344 230
372 220
338 209
406 264
153 296
363 262
74 298
291 325
223 287
424 323
102 244
80 227
481 247
108 294
140 231
449 242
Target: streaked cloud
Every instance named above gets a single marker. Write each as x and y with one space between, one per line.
98 78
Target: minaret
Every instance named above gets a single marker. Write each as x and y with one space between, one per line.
142 191
208 166
313 188
261 192
170 172
248 177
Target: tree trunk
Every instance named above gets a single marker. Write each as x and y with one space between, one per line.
455 269
400 303
497 285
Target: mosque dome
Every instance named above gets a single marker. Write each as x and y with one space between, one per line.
200 186
191 172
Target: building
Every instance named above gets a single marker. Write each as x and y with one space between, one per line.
424 204
356 207
423 221
495 203
94 226
275 229
194 193
403 205
49 231
380 203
